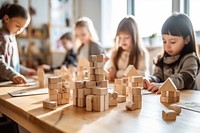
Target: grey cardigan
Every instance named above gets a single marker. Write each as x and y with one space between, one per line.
94 49
182 71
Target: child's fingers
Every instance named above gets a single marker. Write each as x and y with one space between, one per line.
154 89
19 79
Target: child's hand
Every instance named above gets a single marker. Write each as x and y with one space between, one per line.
146 83
154 87
19 79
46 67
112 73
31 72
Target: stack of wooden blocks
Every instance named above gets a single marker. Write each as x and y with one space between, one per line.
92 93
120 87
134 93
59 93
169 92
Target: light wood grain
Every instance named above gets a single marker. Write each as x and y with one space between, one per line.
28 111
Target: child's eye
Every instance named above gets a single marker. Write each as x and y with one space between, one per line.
173 42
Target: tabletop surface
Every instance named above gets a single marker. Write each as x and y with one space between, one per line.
29 112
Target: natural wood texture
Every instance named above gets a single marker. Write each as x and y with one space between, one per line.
29 112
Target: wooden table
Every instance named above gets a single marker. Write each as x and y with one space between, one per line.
28 112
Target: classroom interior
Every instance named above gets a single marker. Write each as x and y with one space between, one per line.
39 44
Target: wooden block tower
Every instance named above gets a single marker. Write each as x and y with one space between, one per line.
169 92
135 84
92 93
120 88
59 93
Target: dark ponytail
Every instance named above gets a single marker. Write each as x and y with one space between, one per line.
13 10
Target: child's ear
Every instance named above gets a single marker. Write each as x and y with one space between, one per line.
187 39
6 18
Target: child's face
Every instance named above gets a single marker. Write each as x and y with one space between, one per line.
125 41
67 44
173 44
82 34
15 25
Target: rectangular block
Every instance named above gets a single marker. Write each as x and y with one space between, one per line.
93 58
81 102
89 102
63 101
137 98
136 90
53 92
118 81
100 58
113 102
98 64
133 84
98 103
121 98
50 104
103 83
54 79
53 97
100 91
138 79
88 91
121 89
99 71
92 77
90 84
169 115
100 77
75 93
81 93
92 70
106 102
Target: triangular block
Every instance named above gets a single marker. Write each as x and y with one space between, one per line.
130 71
168 85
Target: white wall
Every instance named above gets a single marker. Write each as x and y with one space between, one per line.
91 9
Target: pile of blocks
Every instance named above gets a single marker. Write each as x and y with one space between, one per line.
134 92
59 93
92 93
120 88
169 92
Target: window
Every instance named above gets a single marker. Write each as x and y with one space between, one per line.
151 14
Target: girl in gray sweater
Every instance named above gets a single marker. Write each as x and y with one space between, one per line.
180 60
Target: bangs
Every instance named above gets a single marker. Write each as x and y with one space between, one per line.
176 26
124 27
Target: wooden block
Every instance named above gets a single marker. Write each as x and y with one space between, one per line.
100 91
130 71
121 89
106 101
91 64
40 73
98 64
81 102
168 85
63 101
50 104
92 70
133 84
138 105
54 79
176 108
75 93
137 98
87 91
93 58
90 84
99 71
57 72
92 77
166 99
53 97
130 106
59 96
138 79
113 102
42 83
100 58
81 93
100 77
136 90
53 92
125 80
102 83
121 98
75 101
115 95
78 85
65 95
169 115
89 104
98 103
109 95
118 81
163 94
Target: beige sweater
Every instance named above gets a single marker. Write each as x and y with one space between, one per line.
143 66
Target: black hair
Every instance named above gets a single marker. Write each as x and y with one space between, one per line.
179 24
67 35
13 10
